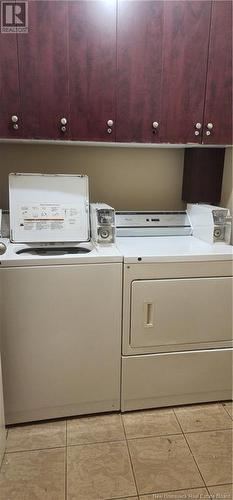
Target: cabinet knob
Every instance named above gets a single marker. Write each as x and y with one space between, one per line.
155 124
110 123
15 126
63 128
63 121
197 132
207 132
109 130
210 126
14 119
198 126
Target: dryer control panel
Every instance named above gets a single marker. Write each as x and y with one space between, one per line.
153 223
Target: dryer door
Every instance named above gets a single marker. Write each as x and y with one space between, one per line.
171 312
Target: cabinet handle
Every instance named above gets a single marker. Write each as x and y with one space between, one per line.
14 120
149 309
110 123
210 126
198 126
63 121
155 124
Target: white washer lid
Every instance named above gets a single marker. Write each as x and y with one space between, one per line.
48 208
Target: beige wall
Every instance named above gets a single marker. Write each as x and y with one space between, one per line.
126 178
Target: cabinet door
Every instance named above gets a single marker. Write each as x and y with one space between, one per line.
43 70
92 67
9 86
139 63
218 109
186 34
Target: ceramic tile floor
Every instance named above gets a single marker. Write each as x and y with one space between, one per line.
173 454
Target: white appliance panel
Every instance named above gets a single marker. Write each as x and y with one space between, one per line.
152 224
61 340
177 313
180 311
2 415
171 249
176 378
210 223
103 226
46 208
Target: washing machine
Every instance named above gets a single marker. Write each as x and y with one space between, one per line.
177 312
60 305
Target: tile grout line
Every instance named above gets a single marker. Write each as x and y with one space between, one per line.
177 420
132 438
202 430
170 491
208 430
209 493
130 459
97 442
123 498
4 453
66 445
190 449
222 484
7 452
179 490
229 415
175 434
195 461
213 485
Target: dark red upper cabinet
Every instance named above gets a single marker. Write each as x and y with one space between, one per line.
185 52
43 70
9 87
218 108
92 69
139 65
